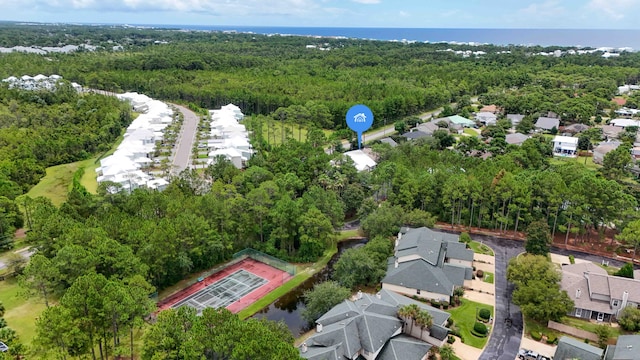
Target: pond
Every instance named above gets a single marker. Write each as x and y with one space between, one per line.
289 307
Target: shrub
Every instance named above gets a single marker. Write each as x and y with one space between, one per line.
479 273
551 339
450 322
572 259
484 314
465 238
451 339
435 303
445 304
480 328
536 335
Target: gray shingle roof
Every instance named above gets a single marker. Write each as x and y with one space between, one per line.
415 135
389 141
403 347
429 272
570 348
367 323
516 138
547 123
627 348
418 274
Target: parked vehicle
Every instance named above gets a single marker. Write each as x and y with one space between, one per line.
3 347
525 354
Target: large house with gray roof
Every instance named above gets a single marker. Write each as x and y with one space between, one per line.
597 295
369 327
428 264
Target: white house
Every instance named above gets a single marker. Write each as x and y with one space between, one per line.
127 165
565 146
361 159
228 137
487 118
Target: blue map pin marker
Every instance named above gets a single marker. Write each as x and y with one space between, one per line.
359 119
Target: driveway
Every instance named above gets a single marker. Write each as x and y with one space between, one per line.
507 330
184 144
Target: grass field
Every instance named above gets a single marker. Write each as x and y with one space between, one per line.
591 327
272 132
488 277
464 317
480 248
56 184
20 313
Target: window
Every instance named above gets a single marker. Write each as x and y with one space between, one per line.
600 316
418 291
578 312
615 303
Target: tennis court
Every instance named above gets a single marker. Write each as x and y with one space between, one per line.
224 292
235 287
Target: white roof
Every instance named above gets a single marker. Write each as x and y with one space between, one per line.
565 139
624 122
361 160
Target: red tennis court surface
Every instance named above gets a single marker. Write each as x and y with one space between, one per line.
234 287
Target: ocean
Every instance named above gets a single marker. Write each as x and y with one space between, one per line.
542 37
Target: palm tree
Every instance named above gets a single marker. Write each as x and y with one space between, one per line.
424 320
446 352
404 313
409 312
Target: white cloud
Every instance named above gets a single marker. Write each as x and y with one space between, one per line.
404 13
368 2
614 9
547 8
212 7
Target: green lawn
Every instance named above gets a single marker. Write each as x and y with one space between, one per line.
55 185
488 277
470 132
480 248
20 313
591 327
464 317
532 325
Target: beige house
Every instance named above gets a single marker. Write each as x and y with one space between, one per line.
428 264
597 295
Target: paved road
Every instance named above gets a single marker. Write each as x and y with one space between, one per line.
186 138
508 323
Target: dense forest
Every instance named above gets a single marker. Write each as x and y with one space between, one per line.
101 255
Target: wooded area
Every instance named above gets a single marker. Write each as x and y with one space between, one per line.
291 198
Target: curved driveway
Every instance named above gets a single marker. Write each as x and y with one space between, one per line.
508 325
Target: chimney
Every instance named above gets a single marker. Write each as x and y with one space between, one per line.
396 264
625 299
578 292
359 294
319 327
379 296
303 348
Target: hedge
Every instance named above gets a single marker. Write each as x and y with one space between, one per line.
484 314
536 335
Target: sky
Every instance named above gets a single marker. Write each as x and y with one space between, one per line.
552 14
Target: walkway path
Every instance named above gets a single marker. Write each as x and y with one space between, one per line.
186 138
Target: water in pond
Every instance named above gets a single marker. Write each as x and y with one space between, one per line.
289 307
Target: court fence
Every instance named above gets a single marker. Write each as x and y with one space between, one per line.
236 258
265 258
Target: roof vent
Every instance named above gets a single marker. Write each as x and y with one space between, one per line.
578 292
304 348
319 328
629 347
396 264
359 294
379 296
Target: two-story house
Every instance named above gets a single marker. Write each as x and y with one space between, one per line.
597 295
428 264
369 327
565 146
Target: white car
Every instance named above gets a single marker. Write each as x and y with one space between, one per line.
525 354
3 347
